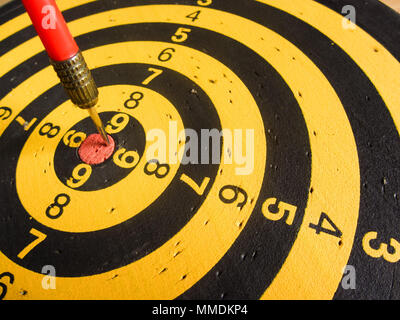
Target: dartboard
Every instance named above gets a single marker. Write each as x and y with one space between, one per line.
312 214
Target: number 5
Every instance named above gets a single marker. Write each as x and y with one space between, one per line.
181 35
282 208
382 251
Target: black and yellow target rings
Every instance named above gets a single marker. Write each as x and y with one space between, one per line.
315 216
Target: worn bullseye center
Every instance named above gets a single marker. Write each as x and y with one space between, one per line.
94 150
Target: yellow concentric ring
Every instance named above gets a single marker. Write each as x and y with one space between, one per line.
335 172
179 256
85 213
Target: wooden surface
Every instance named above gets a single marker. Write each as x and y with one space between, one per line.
3 2
395 4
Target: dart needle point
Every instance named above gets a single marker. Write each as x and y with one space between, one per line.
99 124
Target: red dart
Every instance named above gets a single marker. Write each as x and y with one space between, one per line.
65 57
52 29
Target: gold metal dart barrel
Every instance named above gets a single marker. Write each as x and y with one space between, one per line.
79 84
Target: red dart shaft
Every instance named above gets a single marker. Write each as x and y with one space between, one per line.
51 28
65 57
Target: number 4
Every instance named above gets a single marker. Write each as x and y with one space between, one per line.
319 228
194 16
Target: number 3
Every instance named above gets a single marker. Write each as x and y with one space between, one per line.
382 251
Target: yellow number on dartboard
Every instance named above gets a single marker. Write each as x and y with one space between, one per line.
74 139
80 175
382 252
39 238
126 159
181 35
26 124
282 208
198 189
155 74
117 123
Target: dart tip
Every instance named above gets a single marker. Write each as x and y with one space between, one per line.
103 134
99 124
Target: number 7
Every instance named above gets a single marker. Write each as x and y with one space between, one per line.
40 237
198 189
156 73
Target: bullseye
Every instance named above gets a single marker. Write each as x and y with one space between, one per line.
94 151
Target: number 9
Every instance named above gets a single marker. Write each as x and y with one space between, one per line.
79 176
74 139
126 159
117 123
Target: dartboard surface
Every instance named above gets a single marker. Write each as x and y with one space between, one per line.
311 212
